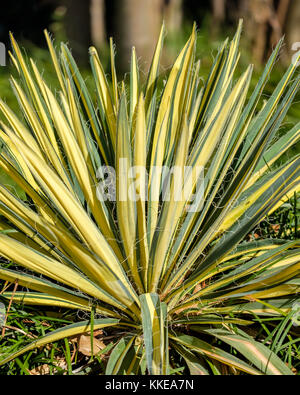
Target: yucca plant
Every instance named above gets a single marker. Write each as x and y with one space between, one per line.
163 278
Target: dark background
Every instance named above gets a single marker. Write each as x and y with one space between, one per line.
137 22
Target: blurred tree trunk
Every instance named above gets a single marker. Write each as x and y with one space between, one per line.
278 23
264 26
293 27
282 11
244 12
219 10
78 28
219 15
173 15
261 14
135 23
243 8
97 10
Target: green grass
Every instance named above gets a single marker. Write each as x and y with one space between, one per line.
63 358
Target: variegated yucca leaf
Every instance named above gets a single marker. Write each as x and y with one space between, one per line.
152 267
